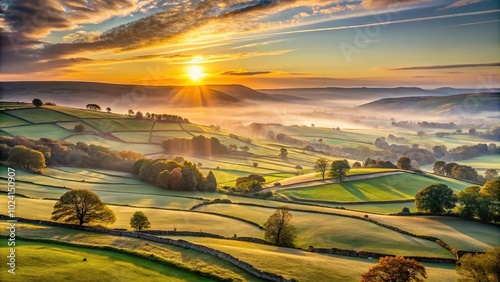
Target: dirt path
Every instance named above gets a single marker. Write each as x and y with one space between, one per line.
329 181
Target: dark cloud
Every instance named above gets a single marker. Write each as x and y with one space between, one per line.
437 67
245 73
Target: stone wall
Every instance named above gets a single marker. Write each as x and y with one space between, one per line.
180 243
362 254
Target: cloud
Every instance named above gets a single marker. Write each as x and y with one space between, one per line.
259 44
82 36
437 67
243 72
461 3
388 3
36 19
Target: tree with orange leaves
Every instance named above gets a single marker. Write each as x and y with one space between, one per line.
395 269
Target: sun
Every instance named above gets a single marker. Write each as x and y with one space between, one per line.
196 73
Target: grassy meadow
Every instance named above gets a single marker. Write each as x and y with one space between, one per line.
385 188
43 262
319 211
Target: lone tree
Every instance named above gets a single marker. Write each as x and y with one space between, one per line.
404 163
108 109
320 166
26 158
80 207
37 103
480 267
395 269
79 128
139 221
338 169
210 184
278 229
435 199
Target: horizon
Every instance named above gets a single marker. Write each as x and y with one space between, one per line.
258 44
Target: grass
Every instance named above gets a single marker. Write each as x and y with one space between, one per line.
41 115
124 124
81 113
46 262
160 219
8 120
70 125
118 146
37 131
306 266
175 255
384 188
462 234
327 231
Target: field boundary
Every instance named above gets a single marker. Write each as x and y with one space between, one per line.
179 243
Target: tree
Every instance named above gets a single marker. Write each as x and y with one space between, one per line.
320 166
139 221
176 181
439 167
26 158
491 194
439 151
464 172
283 153
139 115
470 202
435 199
210 184
472 131
480 267
421 133
163 179
278 229
130 112
79 128
491 174
37 103
404 163
448 168
356 165
108 109
339 169
251 183
82 206
395 269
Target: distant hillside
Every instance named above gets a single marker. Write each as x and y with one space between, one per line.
80 93
364 93
454 104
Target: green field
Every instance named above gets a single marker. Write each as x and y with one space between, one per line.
328 231
189 259
37 131
159 218
384 188
123 124
119 146
82 113
461 234
306 266
481 164
41 115
8 120
48 262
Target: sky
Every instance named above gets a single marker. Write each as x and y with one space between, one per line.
258 43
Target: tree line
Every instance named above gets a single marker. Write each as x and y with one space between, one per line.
473 202
172 175
198 145
36 154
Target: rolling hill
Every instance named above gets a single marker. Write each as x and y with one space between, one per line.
80 93
447 105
